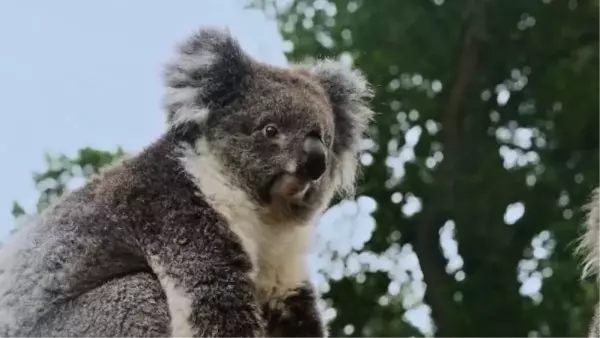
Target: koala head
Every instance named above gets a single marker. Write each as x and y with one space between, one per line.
289 137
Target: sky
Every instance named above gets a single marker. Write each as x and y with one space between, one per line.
88 73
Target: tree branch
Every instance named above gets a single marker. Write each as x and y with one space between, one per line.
441 286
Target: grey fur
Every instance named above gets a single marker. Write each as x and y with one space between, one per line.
589 246
204 232
595 325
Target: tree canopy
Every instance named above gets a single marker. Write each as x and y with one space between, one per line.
488 119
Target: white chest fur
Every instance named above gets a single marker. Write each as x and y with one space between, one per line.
278 253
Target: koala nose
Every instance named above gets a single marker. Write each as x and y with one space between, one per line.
315 158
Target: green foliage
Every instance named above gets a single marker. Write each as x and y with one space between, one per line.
62 171
17 210
482 105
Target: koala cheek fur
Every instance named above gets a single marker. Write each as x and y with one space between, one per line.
175 240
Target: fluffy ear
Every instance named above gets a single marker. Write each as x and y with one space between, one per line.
209 70
589 243
350 94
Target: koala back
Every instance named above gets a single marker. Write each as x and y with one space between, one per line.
92 235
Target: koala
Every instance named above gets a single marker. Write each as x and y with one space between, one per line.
589 247
205 231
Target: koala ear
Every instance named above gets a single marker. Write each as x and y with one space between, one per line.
209 70
350 95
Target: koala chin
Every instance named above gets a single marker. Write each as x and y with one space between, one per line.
204 232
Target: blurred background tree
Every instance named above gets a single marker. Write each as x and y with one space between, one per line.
64 173
484 148
487 131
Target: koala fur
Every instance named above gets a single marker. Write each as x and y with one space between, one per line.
589 247
204 232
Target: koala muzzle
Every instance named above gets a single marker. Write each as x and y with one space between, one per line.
315 158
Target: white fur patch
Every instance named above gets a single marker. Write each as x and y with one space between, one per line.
291 166
277 251
189 114
347 169
177 97
183 102
180 304
203 59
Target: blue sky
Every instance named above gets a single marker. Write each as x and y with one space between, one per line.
87 73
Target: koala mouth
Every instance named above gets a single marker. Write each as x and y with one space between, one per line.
289 187
288 196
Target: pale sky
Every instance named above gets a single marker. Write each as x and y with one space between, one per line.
87 73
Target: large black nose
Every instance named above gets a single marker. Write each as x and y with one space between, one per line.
315 158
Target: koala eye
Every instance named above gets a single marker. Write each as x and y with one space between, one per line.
270 131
